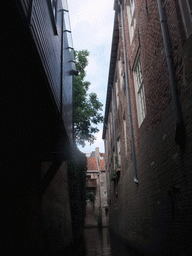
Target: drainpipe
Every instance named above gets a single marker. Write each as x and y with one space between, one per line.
113 114
61 72
128 99
180 128
108 184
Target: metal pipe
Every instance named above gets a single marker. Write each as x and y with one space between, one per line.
128 99
113 111
61 72
180 128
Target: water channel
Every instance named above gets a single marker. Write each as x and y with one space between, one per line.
100 242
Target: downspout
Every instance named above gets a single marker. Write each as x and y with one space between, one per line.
113 112
180 128
107 172
128 99
61 73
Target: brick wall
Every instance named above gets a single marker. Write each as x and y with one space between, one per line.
56 211
155 215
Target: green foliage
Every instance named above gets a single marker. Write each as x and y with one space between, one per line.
113 174
87 107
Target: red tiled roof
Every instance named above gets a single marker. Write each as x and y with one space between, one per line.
91 163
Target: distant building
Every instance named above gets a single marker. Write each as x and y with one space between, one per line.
96 183
148 126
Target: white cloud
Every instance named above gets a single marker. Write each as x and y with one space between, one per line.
92 25
92 67
98 143
91 11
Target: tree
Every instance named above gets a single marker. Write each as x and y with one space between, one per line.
87 107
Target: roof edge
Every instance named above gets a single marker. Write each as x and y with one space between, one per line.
114 46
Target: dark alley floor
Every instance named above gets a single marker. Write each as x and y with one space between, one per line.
98 241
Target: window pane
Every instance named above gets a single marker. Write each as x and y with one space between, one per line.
139 90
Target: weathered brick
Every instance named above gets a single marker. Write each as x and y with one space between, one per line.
153 216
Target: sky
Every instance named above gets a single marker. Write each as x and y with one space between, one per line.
92 27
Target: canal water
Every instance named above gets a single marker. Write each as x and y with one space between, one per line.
100 242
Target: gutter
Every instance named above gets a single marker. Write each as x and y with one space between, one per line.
115 39
128 98
180 128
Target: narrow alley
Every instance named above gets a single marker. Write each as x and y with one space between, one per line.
130 192
98 241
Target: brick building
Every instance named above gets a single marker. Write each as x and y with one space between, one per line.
96 183
148 125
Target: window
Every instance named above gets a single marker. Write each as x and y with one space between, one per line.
120 69
139 90
130 6
186 13
117 93
119 152
125 134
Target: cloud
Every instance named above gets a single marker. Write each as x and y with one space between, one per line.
98 143
92 67
92 26
91 11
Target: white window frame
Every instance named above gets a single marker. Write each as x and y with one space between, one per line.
130 7
120 70
186 13
119 151
125 134
117 93
139 89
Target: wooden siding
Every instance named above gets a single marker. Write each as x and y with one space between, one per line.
48 44
26 4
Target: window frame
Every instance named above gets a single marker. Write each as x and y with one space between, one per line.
117 92
130 8
125 133
139 89
118 152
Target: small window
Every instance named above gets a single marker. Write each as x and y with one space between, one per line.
130 6
118 152
120 71
125 134
117 93
139 90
